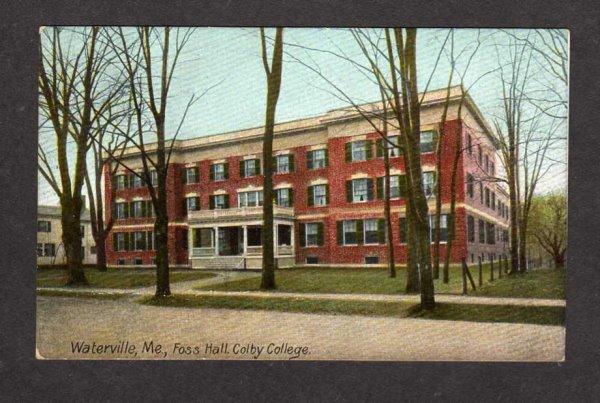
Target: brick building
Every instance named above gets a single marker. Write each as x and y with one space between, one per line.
328 180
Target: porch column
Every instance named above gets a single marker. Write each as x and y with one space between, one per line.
292 239
190 242
275 239
245 239
216 238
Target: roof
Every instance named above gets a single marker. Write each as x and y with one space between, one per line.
55 211
321 121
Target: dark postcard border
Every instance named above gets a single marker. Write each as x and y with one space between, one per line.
24 378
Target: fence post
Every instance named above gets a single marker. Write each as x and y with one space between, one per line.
499 267
491 268
480 267
464 277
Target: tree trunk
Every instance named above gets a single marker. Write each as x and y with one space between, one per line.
523 246
413 282
101 252
388 214
163 288
72 242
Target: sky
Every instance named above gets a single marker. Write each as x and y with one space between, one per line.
226 64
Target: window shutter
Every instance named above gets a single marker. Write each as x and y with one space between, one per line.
211 173
310 200
226 197
348 146
113 210
370 189
309 160
369 146
379 148
402 185
291 162
327 194
349 191
301 234
211 202
114 238
403 229
256 166
129 210
359 232
196 174
126 235
340 232
242 173
144 209
380 193
149 240
226 170
274 163
326 158
291 197
381 230
183 176
150 208
320 240
197 202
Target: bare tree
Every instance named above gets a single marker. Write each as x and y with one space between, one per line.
273 73
548 224
77 86
148 101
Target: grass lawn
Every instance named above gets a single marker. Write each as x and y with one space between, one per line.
445 311
113 278
547 283
72 294
540 315
344 281
366 308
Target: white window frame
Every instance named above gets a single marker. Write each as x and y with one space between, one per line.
354 190
344 231
320 199
432 134
138 209
136 181
311 229
121 181
396 149
187 204
243 198
318 158
247 163
190 175
282 167
280 199
218 171
358 151
431 182
219 202
371 221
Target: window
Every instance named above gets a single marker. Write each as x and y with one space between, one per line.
312 260
190 175
121 262
427 144
470 185
395 181
93 250
393 148
119 241
154 177
219 172
40 249
359 190
469 145
350 232
480 192
284 163
121 181
481 231
250 199
121 210
49 249
192 204
487 163
318 195
138 261
492 169
470 229
371 259
254 235
283 197
203 238
135 181
487 197
249 167
429 183
358 151
493 203
371 231
479 154
44 226
284 235
218 202
81 231
316 159
490 233
443 227
311 234
139 240
138 207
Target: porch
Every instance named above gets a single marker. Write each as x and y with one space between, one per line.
232 238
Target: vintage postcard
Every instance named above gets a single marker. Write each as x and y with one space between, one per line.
392 194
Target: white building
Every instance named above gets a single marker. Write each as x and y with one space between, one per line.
50 248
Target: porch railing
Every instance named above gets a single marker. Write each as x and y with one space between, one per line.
203 251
